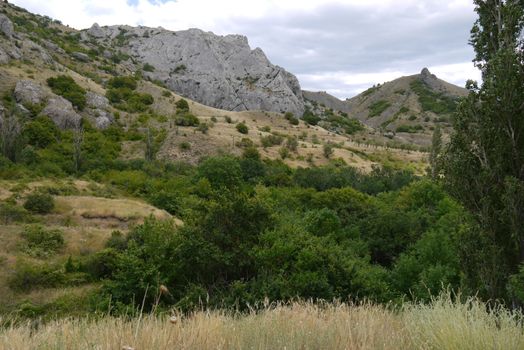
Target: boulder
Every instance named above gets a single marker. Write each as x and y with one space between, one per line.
29 92
80 56
6 26
96 101
102 122
103 119
4 58
96 31
62 113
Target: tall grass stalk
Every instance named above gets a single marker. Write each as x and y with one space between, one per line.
442 324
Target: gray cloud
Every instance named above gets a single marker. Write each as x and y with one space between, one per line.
351 40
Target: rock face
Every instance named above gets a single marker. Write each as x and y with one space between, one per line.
218 71
81 56
29 92
62 113
6 27
96 101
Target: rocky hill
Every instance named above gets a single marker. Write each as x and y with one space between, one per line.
218 71
406 109
107 77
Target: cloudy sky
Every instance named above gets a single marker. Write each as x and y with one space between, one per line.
338 46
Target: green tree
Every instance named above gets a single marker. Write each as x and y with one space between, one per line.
483 164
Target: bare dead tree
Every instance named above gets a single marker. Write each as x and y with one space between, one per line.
10 130
150 147
78 141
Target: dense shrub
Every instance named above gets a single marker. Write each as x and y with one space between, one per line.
40 132
122 82
377 108
310 118
410 128
65 86
242 128
271 140
10 212
435 102
186 119
39 203
182 105
148 67
291 118
121 92
42 242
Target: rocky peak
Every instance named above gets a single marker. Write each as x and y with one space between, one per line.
218 71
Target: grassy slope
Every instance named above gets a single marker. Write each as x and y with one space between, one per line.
87 222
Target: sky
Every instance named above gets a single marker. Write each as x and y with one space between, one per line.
339 46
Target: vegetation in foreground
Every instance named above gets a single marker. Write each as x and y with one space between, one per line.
442 324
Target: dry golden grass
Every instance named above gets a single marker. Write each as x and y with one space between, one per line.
124 210
441 325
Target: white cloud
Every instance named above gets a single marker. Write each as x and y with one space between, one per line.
340 46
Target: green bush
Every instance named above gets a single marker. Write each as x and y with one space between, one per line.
327 150
291 118
41 242
10 212
122 82
184 146
65 86
186 119
27 277
203 128
435 102
377 108
148 68
39 203
182 105
222 172
242 128
271 140
310 118
410 128
40 132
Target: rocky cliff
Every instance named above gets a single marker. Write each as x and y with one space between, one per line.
218 71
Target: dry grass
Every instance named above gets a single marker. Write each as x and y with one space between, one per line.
123 210
442 325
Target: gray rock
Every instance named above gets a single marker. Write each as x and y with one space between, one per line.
96 101
15 53
29 92
6 26
81 56
218 71
102 122
22 110
102 118
4 57
96 31
62 113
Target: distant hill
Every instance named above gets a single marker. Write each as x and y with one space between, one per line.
407 108
105 76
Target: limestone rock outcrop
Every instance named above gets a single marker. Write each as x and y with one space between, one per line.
62 113
218 71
